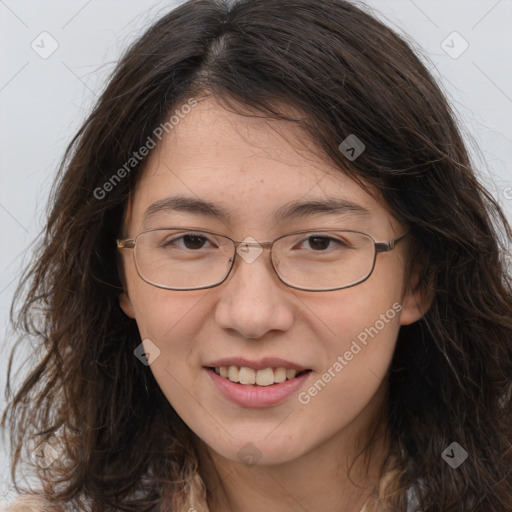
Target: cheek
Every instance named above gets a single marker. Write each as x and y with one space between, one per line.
363 340
364 312
172 321
362 328
158 312
355 371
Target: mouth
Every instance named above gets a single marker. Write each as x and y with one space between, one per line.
257 378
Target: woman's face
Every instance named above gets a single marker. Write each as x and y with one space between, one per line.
346 338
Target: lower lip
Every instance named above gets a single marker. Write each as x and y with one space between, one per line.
257 396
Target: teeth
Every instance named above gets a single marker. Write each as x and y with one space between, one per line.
290 374
248 376
265 377
233 373
279 374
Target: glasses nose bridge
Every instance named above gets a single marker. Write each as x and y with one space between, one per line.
261 245
237 243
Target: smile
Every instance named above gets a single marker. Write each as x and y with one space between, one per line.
250 394
264 377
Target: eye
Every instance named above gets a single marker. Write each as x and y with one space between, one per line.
322 242
190 241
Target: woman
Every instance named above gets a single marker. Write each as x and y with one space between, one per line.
269 281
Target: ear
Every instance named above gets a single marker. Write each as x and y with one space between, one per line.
126 305
417 299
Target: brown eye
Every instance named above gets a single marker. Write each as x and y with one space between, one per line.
321 242
188 241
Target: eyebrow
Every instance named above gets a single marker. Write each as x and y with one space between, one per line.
294 209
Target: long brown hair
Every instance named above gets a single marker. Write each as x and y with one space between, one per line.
123 446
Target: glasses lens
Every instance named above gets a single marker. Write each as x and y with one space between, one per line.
313 260
323 260
179 258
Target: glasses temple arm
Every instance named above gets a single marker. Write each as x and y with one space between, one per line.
125 244
389 246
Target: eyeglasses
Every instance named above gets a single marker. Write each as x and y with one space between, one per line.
182 258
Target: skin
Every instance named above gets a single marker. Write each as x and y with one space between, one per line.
251 167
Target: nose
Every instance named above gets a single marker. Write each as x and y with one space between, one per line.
253 300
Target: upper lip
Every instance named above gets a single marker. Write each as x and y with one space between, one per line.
267 362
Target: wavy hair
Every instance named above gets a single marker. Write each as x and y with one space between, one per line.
122 446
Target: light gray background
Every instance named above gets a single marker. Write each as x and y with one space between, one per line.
43 101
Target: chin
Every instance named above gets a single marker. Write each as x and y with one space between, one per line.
252 452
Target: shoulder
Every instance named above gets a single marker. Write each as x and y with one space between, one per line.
26 503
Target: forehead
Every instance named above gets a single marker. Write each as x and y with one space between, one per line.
242 169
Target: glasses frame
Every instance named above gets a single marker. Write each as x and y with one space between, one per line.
129 243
